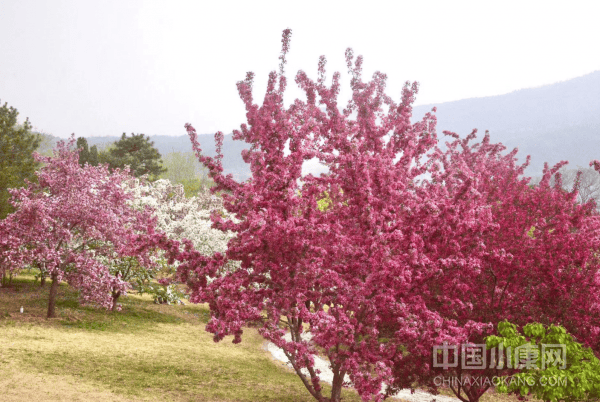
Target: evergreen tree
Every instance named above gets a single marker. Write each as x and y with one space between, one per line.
89 155
17 143
136 151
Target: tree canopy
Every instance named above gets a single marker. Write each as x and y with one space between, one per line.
136 151
183 168
66 219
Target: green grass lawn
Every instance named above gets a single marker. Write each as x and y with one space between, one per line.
145 352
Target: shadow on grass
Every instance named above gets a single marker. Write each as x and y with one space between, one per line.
144 352
138 313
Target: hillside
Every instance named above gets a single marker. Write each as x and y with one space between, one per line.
551 123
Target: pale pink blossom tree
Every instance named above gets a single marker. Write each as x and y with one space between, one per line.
69 217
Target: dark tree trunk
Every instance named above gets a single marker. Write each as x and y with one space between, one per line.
336 386
115 297
52 299
42 281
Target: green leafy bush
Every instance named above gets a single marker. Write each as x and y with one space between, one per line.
573 377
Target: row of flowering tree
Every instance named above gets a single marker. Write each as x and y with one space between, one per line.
77 224
415 246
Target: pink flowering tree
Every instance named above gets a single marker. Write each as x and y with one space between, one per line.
325 276
9 255
67 219
412 247
503 250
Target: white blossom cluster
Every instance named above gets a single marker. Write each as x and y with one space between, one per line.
180 217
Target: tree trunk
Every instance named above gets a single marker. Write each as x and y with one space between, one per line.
115 296
43 274
53 292
336 386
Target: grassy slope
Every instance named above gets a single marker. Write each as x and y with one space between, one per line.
145 352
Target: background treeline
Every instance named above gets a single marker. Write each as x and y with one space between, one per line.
144 157
180 146
551 123
176 156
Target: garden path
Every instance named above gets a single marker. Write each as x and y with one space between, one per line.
327 376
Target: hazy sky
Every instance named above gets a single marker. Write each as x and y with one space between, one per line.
106 67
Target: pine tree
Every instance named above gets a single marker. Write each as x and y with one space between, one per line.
17 143
87 155
136 151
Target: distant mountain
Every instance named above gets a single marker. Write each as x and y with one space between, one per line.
551 123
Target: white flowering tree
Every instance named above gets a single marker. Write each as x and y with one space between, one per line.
180 218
